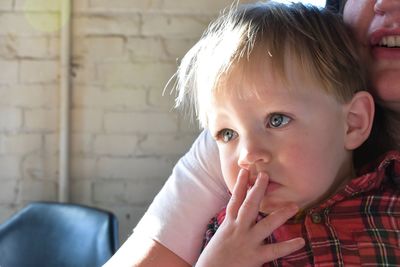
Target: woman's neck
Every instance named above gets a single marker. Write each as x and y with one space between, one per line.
392 128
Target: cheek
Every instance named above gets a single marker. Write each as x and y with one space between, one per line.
351 14
358 14
229 168
315 154
385 84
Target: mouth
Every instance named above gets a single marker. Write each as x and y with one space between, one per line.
385 37
390 41
385 45
272 186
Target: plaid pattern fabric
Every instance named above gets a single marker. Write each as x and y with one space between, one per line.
358 226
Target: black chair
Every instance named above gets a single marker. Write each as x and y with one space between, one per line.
58 235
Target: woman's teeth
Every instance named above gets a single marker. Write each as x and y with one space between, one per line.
390 41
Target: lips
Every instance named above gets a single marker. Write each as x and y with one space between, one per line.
272 186
390 41
385 44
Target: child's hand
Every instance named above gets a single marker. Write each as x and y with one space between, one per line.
239 241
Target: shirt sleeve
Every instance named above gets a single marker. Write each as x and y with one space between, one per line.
178 216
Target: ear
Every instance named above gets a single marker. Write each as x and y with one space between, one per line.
359 118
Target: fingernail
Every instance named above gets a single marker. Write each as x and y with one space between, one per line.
263 175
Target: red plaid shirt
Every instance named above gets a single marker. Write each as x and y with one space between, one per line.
358 226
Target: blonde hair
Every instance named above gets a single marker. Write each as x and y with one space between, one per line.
316 39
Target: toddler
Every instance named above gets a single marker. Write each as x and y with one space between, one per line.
282 90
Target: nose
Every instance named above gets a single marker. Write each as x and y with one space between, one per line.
253 153
382 7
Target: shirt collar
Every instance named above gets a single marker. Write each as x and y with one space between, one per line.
385 170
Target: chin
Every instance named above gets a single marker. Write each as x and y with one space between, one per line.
269 206
387 90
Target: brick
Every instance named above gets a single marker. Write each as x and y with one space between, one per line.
37 191
176 48
120 24
6 5
87 121
38 5
81 144
115 99
54 47
162 99
115 145
43 120
134 168
118 192
202 7
10 167
140 122
31 24
44 23
29 96
40 167
102 48
32 47
147 48
128 216
8 45
143 5
174 25
83 72
188 125
80 6
136 74
83 168
39 71
10 119
51 144
162 144
79 47
81 192
109 192
143 192
8 191
20 144
9 72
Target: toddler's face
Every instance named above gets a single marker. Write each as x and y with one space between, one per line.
295 135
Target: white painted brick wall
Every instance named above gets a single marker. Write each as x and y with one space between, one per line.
10 167
9 73
40 120
29 96
20 144
6 5
10 119
37 5
38 71
125 137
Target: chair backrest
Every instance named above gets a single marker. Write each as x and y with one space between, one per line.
58 235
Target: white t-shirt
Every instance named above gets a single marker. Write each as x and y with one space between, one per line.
193 194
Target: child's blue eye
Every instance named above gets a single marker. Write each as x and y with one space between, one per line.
226 135
278 120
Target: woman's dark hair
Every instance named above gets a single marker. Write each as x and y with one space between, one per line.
335 5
